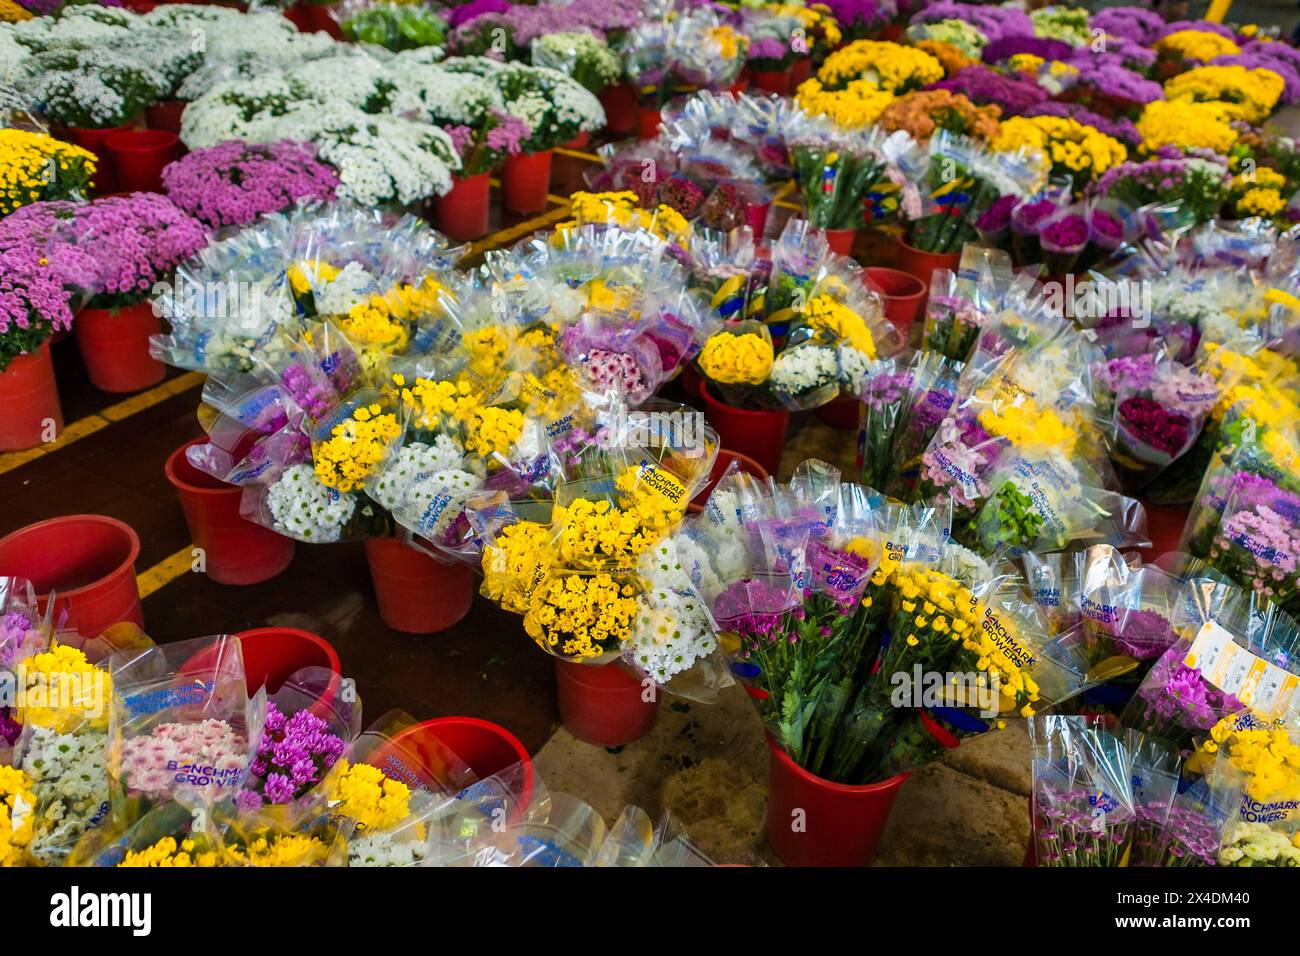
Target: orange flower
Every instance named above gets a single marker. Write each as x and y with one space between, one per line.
923 112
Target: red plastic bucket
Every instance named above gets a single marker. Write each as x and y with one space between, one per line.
841 240
800 70
772 81
903 293
320 21
235 551
462 214
603 704
756 218
744 464
843 412
274 654
299 17
165 115
1164 527
486 748
29 397
94 140
759 435
114 346
814 822
620 108
647 122
579 142
525 181
139 156
922 264
88 561
416 594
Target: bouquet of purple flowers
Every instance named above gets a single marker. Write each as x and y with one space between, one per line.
1160 407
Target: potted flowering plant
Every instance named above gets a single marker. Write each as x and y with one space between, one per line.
395 26
588 59
234 183
138 240
34 306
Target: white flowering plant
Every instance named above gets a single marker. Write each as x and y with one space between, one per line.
92 88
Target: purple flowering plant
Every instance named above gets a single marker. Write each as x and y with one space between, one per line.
234 183
496 138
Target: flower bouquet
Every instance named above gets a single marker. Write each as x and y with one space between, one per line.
849 180
234 183
21 636
962 180
1159 410
961 303
1262 761
181 725
1221 667
62 749
1084 808
586 58
903 399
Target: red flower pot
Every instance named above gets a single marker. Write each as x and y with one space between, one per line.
525 181
486 748
87 561
800 70
891 32
773 81
922 264
114 345
760 435
320 20
138 157
235 551
843 412
841 240
647 122
299 16
274 654
417 594
165 115
94 140
579 142
603 704
903 293
744 464
756 218
1164 527
29 396
814 822
619 102
462 214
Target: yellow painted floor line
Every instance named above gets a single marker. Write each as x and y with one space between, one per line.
528 227
92 423
578 154
165 571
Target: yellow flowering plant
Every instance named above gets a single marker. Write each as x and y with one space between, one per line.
35 167
1259 192
1246 94
1186 125
1075 150
1197 46
888 66
859 104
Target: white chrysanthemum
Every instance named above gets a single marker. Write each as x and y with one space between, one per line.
671 631
70 782
305 509
855 368
382 849
803 369
12 55
442 96
431 504
352 286
413 461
